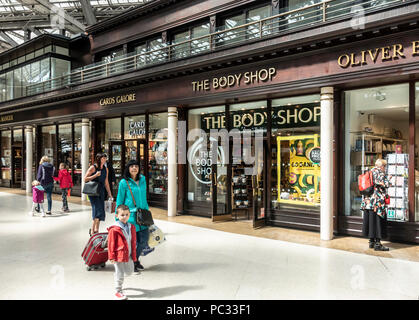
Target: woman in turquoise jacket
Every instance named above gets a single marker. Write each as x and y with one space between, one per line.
138 185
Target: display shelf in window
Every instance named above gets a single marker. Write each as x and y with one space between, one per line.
241 189
398 173
368 148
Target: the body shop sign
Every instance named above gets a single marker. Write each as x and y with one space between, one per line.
292 116
200 160
234 80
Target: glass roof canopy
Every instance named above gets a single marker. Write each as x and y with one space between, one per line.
37 17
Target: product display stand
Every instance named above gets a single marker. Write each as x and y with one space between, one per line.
397 173
241 191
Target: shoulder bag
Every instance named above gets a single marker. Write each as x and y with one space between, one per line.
91 188
143 216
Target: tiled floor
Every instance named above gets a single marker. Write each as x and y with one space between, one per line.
41 259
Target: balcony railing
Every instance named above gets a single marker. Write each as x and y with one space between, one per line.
303 18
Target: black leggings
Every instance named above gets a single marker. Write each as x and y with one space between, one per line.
374 227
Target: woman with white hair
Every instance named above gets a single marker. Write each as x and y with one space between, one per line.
374 207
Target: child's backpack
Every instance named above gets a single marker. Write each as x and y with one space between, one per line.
366 183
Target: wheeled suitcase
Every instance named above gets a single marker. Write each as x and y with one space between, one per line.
95 254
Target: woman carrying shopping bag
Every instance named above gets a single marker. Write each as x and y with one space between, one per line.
98 173
132 192
375 208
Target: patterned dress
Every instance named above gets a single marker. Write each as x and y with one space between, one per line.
377 200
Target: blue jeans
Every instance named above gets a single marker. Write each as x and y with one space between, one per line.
142 241
48 190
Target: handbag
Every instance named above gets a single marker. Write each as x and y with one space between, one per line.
91 188
143 216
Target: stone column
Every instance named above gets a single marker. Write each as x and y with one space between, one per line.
29 158
85 142
326 154
172 163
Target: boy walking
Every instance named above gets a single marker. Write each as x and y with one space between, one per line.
122 248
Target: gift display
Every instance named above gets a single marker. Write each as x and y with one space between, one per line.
397 173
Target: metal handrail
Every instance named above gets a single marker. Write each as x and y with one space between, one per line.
320 12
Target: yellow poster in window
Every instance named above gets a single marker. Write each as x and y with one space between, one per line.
299 169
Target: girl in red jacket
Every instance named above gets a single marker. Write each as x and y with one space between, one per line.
66 183
122 242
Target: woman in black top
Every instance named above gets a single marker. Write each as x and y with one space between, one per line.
98 172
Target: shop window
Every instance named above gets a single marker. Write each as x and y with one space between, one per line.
295 173
135 145
247 166
6 155
199 161
134 127
17 156
417 152
18 136
34 155
65 145
157 153
109 131
77 154
376 126
49 142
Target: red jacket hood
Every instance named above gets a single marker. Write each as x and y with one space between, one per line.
64 172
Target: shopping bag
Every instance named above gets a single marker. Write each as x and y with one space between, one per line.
156 236
68 193
110 206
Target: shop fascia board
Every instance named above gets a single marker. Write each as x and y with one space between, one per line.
256 48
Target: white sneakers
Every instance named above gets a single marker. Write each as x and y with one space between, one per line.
32 214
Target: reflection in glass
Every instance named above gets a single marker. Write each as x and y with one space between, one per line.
6 153
417 152
157 153
199 158
49 143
